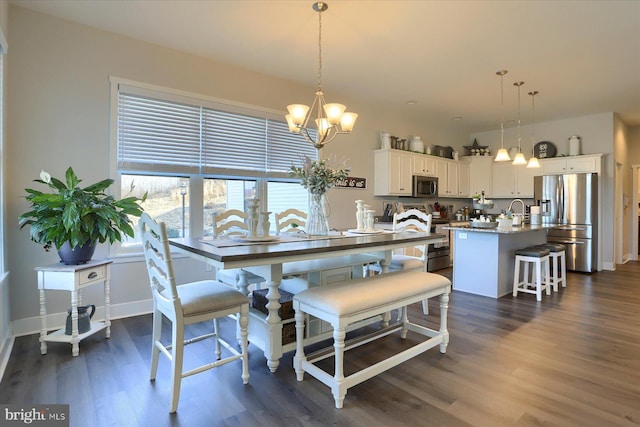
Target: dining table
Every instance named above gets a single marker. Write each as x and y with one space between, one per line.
270 257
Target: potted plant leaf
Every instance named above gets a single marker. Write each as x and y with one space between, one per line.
75 219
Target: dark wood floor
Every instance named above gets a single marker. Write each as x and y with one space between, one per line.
571 360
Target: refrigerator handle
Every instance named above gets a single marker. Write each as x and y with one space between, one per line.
561 207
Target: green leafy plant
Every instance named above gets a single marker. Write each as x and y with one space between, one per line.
77 215
317 175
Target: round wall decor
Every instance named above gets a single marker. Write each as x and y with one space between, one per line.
544 149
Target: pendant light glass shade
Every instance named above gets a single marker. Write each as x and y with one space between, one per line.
533 161
519 160
503 154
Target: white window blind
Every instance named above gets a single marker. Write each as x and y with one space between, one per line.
158 133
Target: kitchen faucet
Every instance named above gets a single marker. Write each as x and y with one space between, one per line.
517 200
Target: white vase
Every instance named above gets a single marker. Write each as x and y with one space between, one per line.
317 221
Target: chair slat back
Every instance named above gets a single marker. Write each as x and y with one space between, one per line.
285 220
155 245
414 219
232 221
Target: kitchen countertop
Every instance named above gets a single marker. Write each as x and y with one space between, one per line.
499 230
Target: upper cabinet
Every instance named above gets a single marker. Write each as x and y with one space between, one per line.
480 175
424 165
392 174
511 181
573 164
394 170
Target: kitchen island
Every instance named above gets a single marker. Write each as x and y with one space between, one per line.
483 258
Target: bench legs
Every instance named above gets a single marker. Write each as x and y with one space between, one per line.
338 383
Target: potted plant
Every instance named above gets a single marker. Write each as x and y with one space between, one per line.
75 219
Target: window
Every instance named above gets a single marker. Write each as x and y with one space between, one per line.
206 153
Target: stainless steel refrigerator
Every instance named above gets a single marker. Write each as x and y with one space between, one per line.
571 201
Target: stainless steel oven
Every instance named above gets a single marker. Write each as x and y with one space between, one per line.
438 254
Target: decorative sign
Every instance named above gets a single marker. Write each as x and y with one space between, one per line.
544 149
352 182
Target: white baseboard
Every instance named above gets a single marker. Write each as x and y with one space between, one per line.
31 325
611 266
626 258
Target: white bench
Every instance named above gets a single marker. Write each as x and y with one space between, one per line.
348 302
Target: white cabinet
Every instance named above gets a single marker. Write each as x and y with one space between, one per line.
392 174
424 165
480 175
573 164
511 181
464 180
447 173
394 170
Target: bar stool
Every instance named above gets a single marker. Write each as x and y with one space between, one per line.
538 258
557 254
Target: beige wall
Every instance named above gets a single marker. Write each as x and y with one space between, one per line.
59 96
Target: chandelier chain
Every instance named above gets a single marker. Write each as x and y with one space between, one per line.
320 50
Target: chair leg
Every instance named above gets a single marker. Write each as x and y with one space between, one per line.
338 388
176 363
243 320
516 277
216 330
563 268
546 262
538 270
425 307
155 339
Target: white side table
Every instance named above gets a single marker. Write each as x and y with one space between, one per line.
73 278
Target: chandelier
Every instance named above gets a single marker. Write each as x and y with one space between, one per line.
330 119
503 154
519 158
533 161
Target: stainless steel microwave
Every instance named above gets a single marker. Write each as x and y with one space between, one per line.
424 186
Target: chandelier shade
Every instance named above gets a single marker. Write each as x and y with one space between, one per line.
329 119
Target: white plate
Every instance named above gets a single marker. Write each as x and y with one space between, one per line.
377 231
257 239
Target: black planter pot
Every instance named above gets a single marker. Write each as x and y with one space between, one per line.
78 255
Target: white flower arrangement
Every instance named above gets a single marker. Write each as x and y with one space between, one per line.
317 175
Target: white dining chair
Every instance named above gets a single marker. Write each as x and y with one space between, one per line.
188 304
290 220
228 223
420 222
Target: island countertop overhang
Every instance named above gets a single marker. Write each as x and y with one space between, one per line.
504 230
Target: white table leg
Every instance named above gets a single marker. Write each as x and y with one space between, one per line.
43 322
75 348
272 343
107 308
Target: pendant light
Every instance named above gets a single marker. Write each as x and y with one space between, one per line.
331 119
519 158
503 154
533 161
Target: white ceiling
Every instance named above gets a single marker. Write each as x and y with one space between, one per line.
582 56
